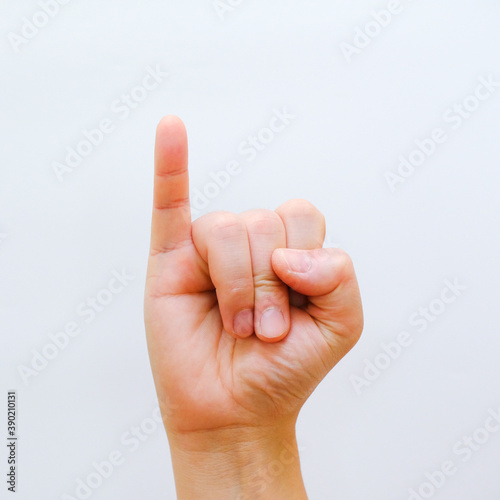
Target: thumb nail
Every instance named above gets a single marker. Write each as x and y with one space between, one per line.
298 261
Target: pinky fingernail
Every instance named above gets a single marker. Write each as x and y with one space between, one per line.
243 323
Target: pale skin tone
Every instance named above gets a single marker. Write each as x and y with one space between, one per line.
230 378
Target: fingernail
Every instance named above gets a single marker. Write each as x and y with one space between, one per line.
243 323
297 260
272 323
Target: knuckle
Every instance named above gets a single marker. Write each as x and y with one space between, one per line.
264 222
207 220
299 207
226 225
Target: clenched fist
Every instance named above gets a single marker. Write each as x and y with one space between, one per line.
245 314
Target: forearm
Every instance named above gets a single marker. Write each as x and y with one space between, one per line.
237 464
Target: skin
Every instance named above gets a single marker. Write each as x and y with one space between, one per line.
230 388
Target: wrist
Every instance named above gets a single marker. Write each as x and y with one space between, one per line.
237 464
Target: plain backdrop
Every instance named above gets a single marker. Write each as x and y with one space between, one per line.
377 424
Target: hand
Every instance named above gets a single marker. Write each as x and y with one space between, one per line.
234 351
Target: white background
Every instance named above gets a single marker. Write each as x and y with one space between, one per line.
61 240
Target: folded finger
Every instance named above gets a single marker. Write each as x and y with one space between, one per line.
222 241
272 312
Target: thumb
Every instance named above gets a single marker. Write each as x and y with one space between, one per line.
326 276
